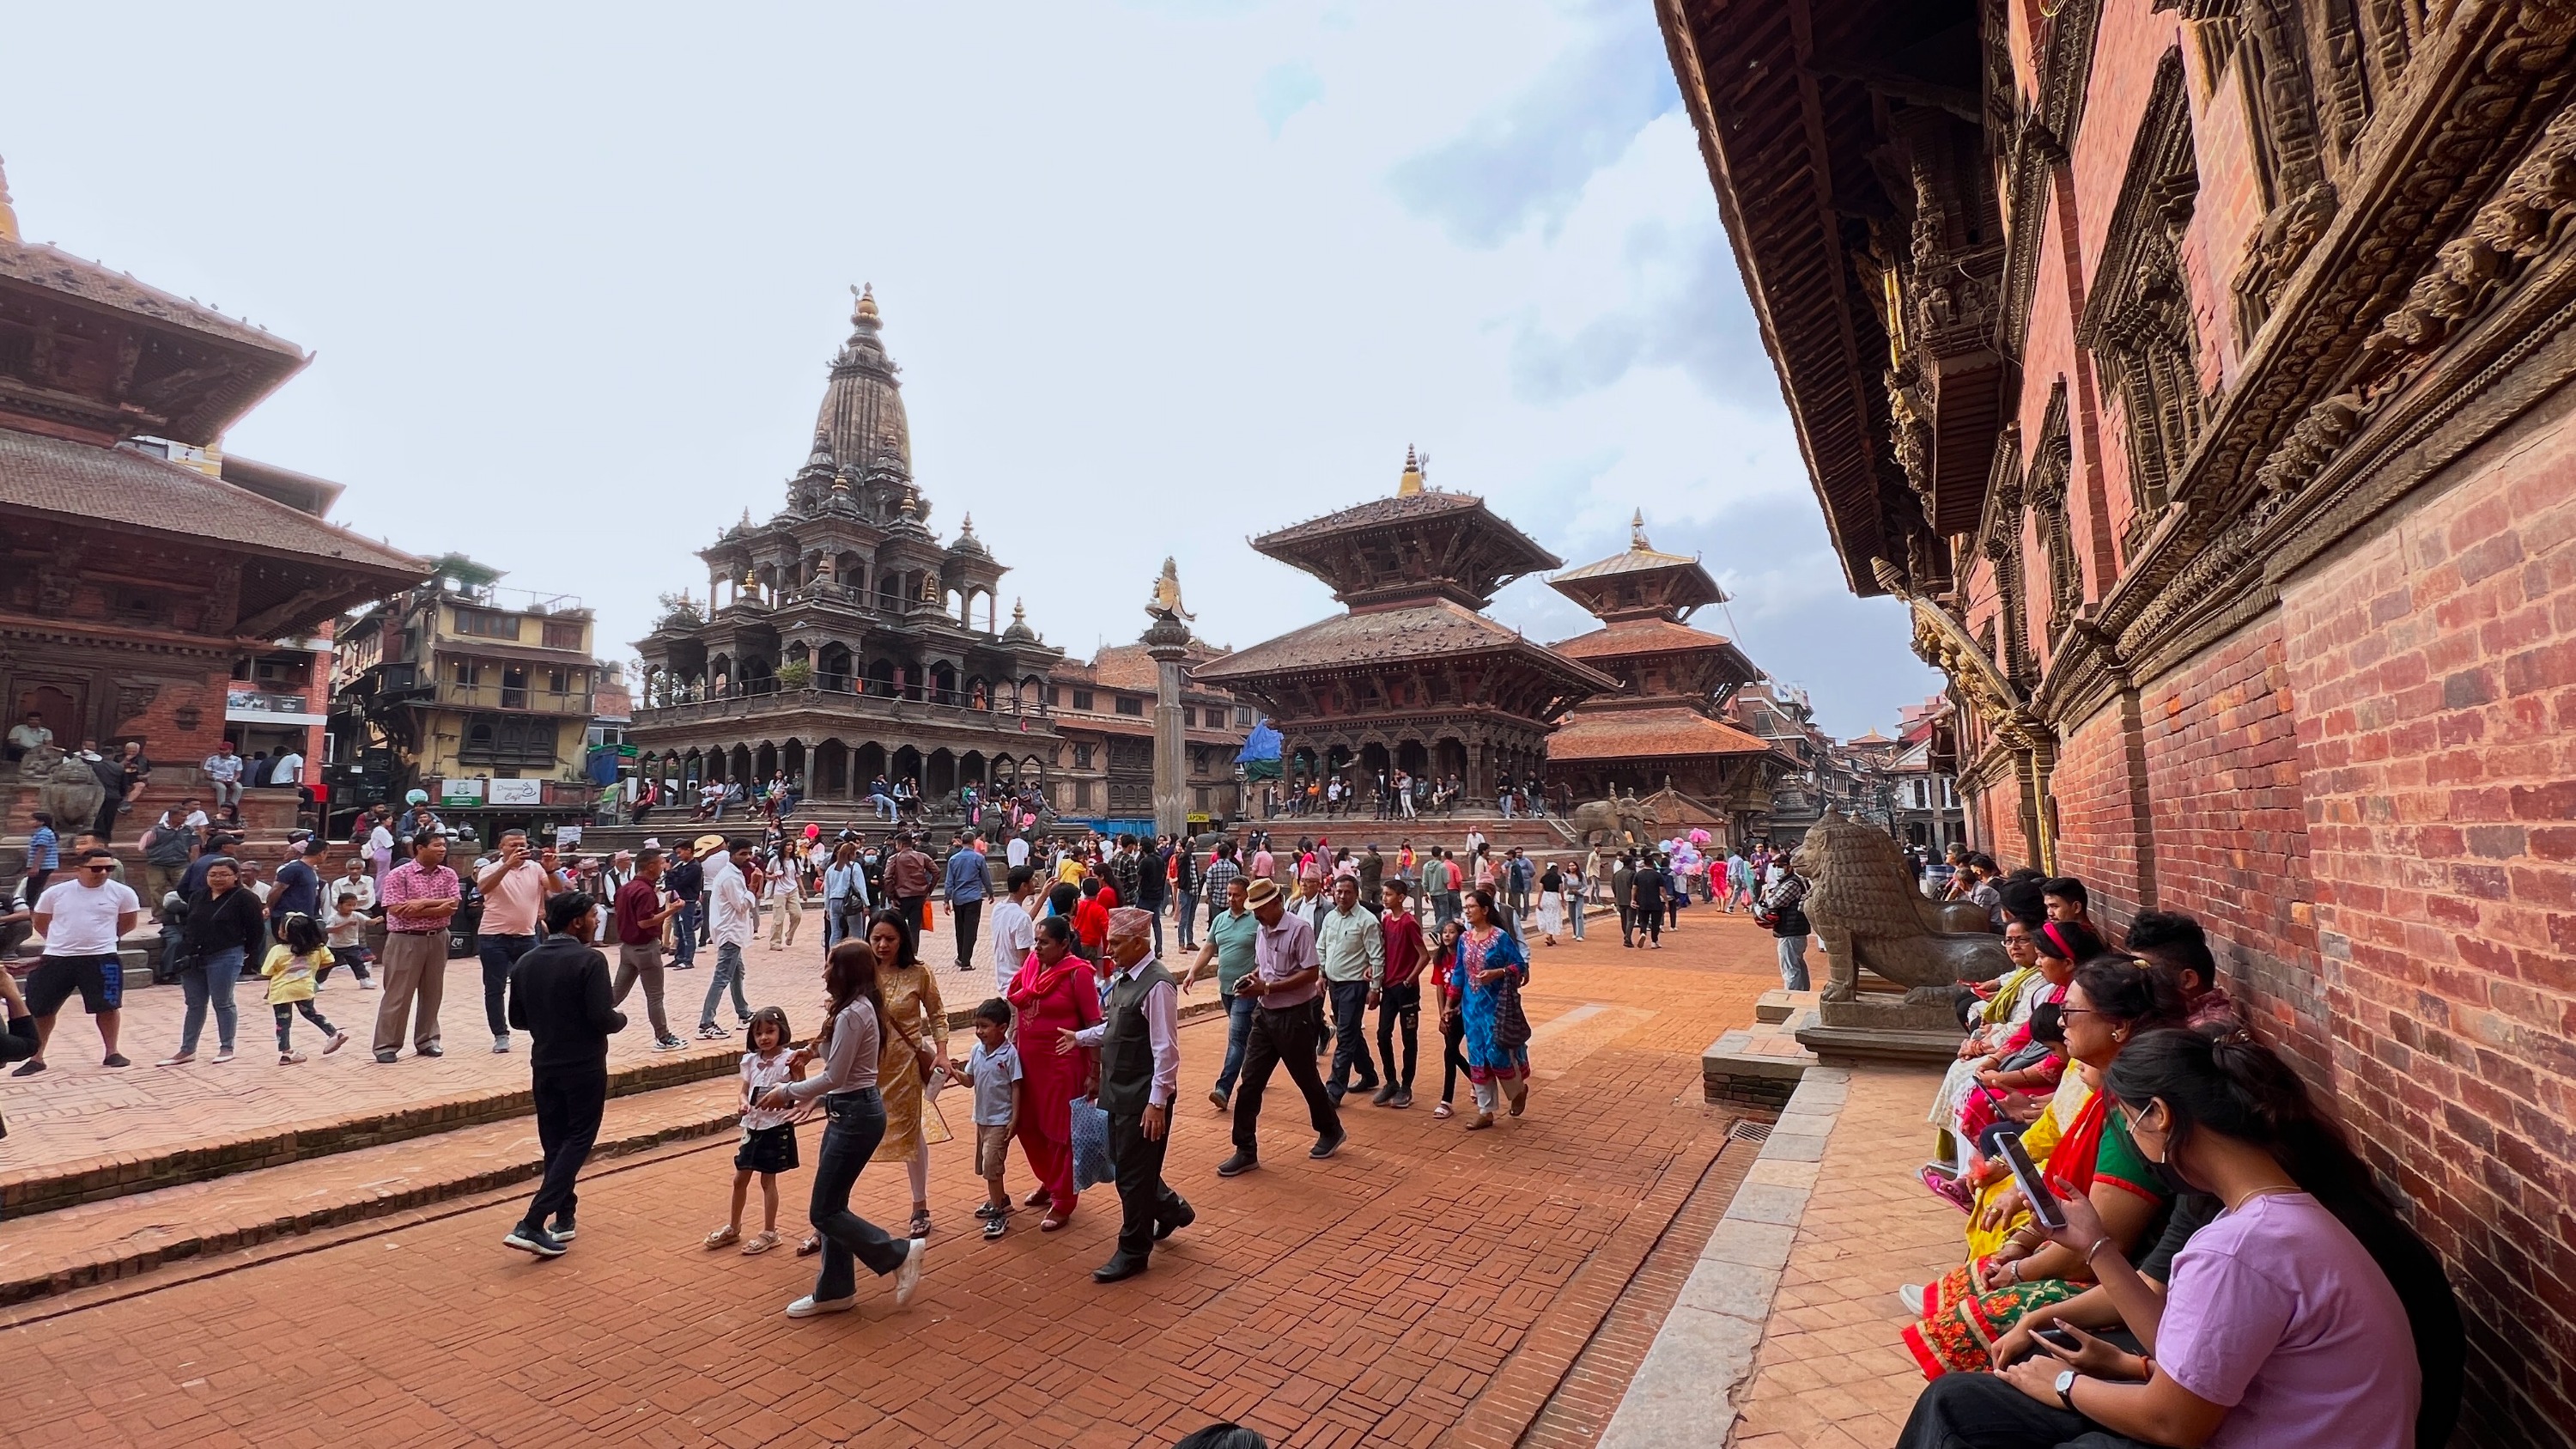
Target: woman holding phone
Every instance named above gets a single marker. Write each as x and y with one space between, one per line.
2303 1315
2111 1001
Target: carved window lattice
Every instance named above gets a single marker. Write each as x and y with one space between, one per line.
2050 468
2139 322
2003 547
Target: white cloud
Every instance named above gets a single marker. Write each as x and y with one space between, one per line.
1284 90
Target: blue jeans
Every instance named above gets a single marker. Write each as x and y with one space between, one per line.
728 973
1238 1024
1189 907
1350 1036
684 935
499 954
854 1125
1574 908
209 978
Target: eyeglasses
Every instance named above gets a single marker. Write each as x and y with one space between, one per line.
2080 1011
96 869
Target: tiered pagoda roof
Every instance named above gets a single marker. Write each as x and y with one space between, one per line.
1672 676
1413 570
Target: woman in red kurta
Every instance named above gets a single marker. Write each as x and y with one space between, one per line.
1053 991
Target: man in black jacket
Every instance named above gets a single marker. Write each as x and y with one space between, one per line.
559 996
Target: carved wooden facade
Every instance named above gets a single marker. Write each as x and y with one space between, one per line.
2262 608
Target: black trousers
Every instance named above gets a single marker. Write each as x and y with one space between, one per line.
970 914
1981 1411
1145 1201
1350 1036
569 1104
1400 1006
1627 924
1280 1039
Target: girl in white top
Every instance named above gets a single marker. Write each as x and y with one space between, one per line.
786 895
768 1145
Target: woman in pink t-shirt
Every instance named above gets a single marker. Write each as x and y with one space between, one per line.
2304 1316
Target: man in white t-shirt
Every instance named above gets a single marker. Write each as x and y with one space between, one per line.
1016 854
81 920
1015 932
287 768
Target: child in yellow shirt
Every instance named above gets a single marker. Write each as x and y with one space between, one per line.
291 968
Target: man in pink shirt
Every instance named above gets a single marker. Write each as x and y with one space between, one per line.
420 897
514 890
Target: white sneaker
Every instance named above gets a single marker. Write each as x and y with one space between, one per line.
908 1277
807 1306
500 1043
1911 1295
367 983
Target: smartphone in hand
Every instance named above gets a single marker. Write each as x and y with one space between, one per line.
2034 1183
2058 1338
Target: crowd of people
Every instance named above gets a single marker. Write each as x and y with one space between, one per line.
2190 1251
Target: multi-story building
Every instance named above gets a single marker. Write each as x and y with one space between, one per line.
841 640
2198 375
1925 796
482 697
1104 713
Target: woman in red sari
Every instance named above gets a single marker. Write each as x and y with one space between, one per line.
1053 991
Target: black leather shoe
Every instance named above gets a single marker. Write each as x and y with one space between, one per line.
1237 1165
1117 1270
1326 1146
1174 1224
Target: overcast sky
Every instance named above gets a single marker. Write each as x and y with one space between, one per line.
1161 275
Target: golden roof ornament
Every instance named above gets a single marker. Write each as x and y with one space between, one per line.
1637 531
864 307
1411 483
1167 594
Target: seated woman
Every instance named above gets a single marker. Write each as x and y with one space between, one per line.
2112 1000
2299 1314
2008 1085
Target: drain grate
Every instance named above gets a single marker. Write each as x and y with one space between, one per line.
1749 1132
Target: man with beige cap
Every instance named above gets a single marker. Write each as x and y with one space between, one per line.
1285 983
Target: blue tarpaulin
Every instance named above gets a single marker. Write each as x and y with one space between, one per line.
1260 756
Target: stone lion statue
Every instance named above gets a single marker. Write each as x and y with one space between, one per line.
1862 902
66 788
1620 820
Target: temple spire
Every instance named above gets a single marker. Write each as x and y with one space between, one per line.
1411 482
8 213
864 308
1637 530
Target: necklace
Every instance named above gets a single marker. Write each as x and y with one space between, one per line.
2263 1192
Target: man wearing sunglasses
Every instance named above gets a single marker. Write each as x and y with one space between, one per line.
81 920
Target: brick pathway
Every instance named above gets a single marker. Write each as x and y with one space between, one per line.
1368 1300
78 1114
1830 1373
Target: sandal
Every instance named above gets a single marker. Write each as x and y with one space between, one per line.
1948 1188
808 1248
1051 1223
761 1242
1483 1121
920 1223
1443 1110
1039 1198
724 1236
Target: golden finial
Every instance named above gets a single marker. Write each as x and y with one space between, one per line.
8 213
967 524
1019 614
1637 530
751 579
865 308
1411 482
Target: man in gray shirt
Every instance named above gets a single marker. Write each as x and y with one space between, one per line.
1353 953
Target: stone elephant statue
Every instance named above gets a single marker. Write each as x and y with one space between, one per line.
1622 820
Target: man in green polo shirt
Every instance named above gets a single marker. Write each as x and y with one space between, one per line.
1230 937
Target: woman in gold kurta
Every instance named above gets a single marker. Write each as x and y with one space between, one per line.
914 1018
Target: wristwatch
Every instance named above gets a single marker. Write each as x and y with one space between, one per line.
2066 1389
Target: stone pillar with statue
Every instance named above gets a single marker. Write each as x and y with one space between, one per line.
1167 642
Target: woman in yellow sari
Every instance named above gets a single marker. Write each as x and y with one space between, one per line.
2084 1146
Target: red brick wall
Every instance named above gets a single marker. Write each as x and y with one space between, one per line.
2098 815
2230 836
2436 666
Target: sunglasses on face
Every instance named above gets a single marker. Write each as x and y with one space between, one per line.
96 869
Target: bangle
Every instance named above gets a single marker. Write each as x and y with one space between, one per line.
2098 1244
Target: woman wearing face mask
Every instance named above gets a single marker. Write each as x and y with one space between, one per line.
2300 1314
2112 1000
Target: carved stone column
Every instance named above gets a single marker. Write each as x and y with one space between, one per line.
1166 642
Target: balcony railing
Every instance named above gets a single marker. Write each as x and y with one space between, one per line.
503 696
840 695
